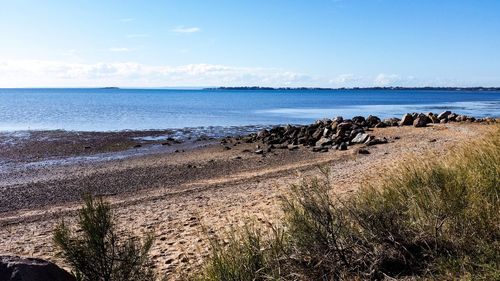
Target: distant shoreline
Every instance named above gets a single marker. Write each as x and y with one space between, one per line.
256 88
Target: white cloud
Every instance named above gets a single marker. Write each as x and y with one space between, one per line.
183 29
50 73
383 80
119 50
37 73
345 79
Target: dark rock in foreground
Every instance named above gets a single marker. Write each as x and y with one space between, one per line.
14 268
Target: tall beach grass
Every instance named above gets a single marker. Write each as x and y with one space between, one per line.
429 218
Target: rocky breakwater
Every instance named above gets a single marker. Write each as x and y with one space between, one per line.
339 133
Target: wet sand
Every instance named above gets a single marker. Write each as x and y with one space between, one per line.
206 187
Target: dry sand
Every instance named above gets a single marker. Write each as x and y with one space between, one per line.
181 196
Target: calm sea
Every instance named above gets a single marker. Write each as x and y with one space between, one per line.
121 109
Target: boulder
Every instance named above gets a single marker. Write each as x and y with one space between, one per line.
452 117
338 119
324 142
420 122
375 141
391 121
360 138
344 126
263 134
359 120
407 120
317 134
372 121
433 118
363 151
342 146
444 115
326 132
319 149
14 268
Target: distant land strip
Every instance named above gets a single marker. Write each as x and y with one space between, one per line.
253 88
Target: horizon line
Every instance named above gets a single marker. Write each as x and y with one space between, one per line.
262 87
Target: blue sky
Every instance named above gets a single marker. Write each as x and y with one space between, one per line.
331 43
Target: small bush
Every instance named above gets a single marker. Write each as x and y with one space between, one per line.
435 219
95 251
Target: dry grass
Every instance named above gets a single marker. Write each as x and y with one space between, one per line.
428 218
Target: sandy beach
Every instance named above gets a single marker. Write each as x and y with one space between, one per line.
182 191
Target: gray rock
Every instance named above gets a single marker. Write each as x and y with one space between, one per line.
444 115
363 151
338 119
343 146
324 142
262 134
391 121
319 149
317 134
14 268
433 118
326 132
372 120
375 141
407 120
344 126
420 122
360 138
452 117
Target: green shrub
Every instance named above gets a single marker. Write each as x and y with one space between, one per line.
247 254
94 250
429 218
441 217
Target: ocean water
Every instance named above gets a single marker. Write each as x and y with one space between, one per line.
140 109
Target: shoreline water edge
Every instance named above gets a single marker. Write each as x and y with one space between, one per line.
20 150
